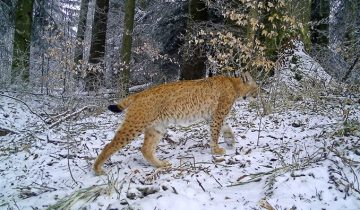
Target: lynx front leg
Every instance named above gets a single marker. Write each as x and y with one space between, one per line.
122 137
216 125
151 141
229 136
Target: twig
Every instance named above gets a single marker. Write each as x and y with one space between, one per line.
68 161
261 116
15 204
295 166
156 174
70 115
58 116
216 180
259 132
347 162
246 182
200 185
344 159
68 164
44 187
174 190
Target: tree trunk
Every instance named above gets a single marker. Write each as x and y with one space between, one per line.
320 11
126 47
97 49
80 35
22 37
7 21
193 66
38 40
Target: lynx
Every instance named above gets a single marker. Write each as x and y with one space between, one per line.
183 102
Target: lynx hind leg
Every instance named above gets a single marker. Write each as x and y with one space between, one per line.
229 136
122 137
151 141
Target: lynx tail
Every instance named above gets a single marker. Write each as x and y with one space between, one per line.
122 105
114 108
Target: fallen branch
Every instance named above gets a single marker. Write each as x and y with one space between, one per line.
70 115
57 117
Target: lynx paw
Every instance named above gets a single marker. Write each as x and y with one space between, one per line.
99 171
164 164
218 150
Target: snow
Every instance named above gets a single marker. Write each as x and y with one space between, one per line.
302 70
306 158
35 170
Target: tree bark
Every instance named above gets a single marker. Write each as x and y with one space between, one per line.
80 35
22 40
125 52
97 48
193 66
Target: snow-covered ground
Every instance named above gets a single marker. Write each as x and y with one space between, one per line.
305 159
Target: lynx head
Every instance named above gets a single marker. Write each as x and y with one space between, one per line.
246 85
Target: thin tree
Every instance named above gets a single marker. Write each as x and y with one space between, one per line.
22 37
125 52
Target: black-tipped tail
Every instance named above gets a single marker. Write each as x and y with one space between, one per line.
114 108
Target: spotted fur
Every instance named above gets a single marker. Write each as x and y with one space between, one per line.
183 102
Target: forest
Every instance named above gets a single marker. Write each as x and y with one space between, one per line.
62 62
